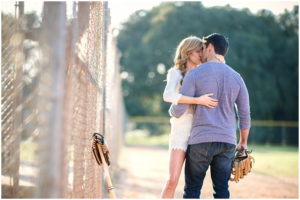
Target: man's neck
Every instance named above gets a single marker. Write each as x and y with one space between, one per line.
212 58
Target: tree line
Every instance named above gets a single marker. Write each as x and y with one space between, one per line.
263 49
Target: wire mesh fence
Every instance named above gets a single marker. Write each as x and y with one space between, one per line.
60 84
10 87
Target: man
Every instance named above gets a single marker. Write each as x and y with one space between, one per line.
213 136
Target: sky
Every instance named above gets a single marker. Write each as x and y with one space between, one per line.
121 10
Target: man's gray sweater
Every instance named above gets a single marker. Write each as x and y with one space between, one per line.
217 124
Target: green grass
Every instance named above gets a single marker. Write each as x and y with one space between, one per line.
142 138
276 160
270 160
27 150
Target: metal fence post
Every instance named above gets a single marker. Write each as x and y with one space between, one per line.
52 98
283 135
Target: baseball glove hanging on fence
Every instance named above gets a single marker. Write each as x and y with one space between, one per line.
98 138
241 165
101 154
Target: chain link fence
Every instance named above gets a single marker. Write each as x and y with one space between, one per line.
60 84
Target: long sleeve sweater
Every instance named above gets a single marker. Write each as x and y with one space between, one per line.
218 124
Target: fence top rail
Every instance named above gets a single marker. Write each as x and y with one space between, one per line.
152 119
274 123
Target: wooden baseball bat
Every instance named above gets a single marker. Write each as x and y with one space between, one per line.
106 173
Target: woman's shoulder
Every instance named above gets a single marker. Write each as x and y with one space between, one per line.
174 75
174 72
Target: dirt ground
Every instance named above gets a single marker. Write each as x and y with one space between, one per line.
144 171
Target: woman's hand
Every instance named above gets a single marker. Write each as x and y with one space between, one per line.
207 101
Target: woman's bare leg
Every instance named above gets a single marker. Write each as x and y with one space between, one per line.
177 158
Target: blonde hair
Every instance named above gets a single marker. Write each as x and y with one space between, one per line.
183 51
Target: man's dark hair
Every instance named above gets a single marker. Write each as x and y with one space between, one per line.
219 42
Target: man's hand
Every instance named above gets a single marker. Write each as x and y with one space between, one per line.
177 110
241 146
243 139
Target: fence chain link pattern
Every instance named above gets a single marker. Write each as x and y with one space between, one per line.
66 88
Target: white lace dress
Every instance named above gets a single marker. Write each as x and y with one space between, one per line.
180 127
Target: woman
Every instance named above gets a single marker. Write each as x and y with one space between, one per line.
186 58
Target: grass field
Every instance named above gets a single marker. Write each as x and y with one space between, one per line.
276 160
28 150
269 160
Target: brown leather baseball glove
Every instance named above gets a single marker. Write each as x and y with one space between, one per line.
241 165
99 139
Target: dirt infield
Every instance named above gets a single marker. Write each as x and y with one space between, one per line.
144 171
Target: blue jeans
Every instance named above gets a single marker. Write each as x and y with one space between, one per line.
219 156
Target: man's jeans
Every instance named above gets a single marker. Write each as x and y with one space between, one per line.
219 156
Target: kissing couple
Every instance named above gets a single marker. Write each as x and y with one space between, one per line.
204 91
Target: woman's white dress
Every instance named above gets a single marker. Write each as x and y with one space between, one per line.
180 127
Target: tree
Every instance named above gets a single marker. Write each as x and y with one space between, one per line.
263 49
